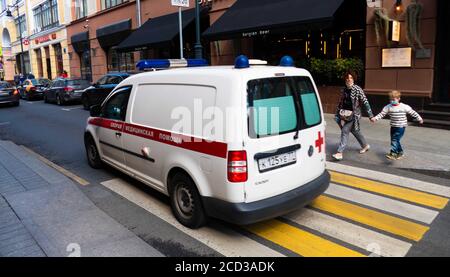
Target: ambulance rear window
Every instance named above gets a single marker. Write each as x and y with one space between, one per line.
281 105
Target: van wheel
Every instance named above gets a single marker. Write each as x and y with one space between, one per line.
93 156
186 203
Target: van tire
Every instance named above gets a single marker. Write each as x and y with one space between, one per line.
92 154
183 190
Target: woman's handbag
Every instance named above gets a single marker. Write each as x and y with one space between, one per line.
346 115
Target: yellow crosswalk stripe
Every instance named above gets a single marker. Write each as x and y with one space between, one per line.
410 195
378 220
299 241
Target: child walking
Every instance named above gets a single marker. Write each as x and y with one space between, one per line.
398 114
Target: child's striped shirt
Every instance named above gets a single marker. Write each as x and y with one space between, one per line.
398 114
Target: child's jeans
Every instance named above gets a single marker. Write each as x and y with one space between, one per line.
396 135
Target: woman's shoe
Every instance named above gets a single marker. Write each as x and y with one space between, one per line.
365 149
338 156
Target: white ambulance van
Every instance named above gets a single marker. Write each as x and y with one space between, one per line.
241 143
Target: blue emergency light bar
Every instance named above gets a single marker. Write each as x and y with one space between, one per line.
169 63
242 61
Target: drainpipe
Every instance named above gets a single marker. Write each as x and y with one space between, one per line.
138 13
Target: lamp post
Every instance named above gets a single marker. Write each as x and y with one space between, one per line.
198 49
9 14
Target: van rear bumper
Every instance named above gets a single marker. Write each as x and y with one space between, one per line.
248 213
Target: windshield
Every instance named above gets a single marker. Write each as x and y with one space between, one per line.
78 83
274 109
35 82
4 85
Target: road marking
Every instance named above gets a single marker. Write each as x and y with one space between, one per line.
391 179
383 203
300 241
29 102
350 233
402 193
223 240
4 123
71 109
62 170
381 221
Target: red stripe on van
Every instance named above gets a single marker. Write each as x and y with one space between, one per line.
213 148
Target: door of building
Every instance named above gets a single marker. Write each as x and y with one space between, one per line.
48 62
442 86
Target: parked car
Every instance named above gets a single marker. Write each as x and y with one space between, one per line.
243 168
98 92
65 91
9 94
31 89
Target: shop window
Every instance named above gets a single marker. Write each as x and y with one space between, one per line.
85 65
106 4
59 58
46 15
39 62
122 62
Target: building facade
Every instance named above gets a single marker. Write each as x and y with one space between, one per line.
98 28
42 47
371 37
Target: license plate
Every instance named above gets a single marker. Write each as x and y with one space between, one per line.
277 161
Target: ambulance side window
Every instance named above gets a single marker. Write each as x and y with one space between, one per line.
116 107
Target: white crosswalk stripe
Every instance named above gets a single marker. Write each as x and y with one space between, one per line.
359 233
350 233
223 240
391 179
383 203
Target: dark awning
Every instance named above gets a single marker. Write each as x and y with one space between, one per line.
248 18
80 42
159 30
114 34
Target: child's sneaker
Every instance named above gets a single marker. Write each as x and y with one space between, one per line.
391 156
400 156
338 156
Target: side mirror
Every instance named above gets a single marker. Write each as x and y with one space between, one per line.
95 110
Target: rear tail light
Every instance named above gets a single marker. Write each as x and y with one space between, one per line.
69 89
15 92
237 166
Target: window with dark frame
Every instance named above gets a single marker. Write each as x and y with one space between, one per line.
23 25
46 15
81 9
106 4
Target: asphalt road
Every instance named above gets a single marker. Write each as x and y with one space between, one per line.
56 133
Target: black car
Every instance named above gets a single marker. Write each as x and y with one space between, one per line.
9 94
98 92
64 91
31 89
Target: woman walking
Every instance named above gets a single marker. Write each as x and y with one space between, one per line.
348 114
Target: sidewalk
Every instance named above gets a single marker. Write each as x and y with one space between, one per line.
425 148
43 213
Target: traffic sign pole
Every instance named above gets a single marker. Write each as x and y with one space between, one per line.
180 18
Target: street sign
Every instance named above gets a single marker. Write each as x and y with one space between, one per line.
180 3
26 42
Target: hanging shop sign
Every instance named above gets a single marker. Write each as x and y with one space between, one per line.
374 3
394 30
397 57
